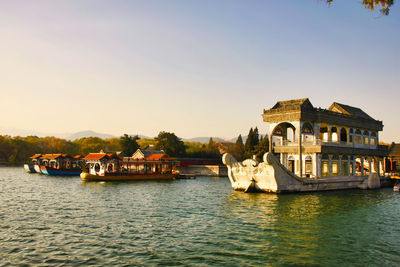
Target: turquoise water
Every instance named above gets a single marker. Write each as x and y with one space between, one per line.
55 221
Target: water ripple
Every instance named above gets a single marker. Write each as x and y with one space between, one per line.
55 221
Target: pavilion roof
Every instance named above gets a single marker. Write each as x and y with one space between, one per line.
348 110
36 156
294 102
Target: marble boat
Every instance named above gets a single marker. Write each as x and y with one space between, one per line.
271 176
314 149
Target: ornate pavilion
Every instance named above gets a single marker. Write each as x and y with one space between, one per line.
314 142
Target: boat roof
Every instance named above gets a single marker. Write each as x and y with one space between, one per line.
158 157
99 156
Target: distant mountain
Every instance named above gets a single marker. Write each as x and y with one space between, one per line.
89 133
233 140
204 140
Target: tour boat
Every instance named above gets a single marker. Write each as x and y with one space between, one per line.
60 164
111 167
314 149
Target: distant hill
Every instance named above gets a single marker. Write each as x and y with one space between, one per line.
233 140
203 139
88 133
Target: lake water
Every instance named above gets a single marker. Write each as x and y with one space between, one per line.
57 221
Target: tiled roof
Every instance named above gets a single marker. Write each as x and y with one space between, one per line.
157 157
293 102
97 156
349 110
36 156
52 156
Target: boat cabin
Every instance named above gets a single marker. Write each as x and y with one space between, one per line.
60 161
102 164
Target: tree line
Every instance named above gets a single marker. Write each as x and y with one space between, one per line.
16 150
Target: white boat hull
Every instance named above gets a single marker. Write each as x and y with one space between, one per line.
271 176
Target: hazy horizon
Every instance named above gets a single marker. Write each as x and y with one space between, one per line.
189 67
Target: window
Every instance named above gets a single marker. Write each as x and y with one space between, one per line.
343 135
325 168
335 169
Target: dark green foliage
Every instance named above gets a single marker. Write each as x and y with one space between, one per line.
237 149
262 148
129 144
170 144
251 143
212 149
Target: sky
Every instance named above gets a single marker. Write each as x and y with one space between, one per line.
195 68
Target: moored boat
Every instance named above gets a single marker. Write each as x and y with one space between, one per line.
111 167
60 164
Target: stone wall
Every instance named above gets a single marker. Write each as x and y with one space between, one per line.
204 170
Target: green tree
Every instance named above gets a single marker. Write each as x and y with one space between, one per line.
90 144
251 142
129 144
7 149
212 149
170 144
262 148
237 149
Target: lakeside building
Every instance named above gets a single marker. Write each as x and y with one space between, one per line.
313 142
393 160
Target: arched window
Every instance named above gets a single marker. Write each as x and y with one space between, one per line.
334 134
357 137
373 139
323 131
343 135
351 132
307 128
366 137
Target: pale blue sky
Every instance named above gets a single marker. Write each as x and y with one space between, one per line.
196 68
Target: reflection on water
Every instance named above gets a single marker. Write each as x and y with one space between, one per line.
55 220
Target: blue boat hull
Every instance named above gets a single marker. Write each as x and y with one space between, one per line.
51 171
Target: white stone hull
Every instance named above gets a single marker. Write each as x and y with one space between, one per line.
271 176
